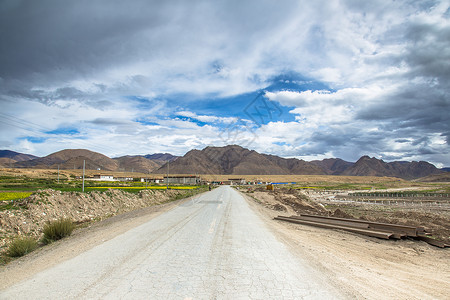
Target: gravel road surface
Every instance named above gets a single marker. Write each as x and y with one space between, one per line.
211 247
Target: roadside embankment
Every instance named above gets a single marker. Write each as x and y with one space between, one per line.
28 217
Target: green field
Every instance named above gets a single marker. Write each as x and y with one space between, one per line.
22 185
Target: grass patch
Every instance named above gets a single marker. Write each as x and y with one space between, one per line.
21 246
57 230
7 196
9 206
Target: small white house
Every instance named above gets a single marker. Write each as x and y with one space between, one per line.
124 178
104 177
154 180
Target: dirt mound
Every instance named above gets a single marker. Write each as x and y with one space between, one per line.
438 225
341 214
289 201
299 202
279 207
31 214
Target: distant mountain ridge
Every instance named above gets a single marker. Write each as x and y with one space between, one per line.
16 155
332 166
137 163
228 160
235 160
71 159
74 158
9 158
161 157
377 167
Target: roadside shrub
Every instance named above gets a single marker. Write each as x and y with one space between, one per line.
57 230
21 246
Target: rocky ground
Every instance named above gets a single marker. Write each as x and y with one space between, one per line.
30 215
367 267
293 202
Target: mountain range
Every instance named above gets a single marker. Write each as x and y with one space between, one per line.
228 160
235 160
74 158
7 157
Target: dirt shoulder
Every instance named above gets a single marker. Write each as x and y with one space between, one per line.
365 267
80 241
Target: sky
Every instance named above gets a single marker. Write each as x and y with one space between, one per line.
304 79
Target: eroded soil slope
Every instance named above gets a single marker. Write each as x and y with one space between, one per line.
33 212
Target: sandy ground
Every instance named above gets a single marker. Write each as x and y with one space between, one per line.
367 267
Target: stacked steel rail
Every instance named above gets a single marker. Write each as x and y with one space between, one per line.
374 229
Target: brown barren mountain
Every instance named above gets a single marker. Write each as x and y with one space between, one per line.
333 166
371 166
6 162
137 164
67 159
237 160
8 158
74 158
444 177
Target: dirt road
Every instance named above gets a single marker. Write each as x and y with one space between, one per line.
213 246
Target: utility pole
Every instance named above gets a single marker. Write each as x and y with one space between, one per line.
84 165
58 173
167 186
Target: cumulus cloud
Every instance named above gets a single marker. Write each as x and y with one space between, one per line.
122 74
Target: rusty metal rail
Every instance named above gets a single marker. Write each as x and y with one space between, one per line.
379 234
405 230
374 229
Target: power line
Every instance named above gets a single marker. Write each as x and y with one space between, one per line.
38 129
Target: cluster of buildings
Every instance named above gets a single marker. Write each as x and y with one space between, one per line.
188 179
179 179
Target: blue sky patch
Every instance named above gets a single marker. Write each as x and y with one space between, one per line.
34 139
250 106
64 130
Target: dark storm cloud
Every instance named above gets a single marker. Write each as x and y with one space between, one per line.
67 38
419 109
428 51
64 38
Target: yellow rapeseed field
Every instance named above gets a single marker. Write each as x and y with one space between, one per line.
143 188
7 196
